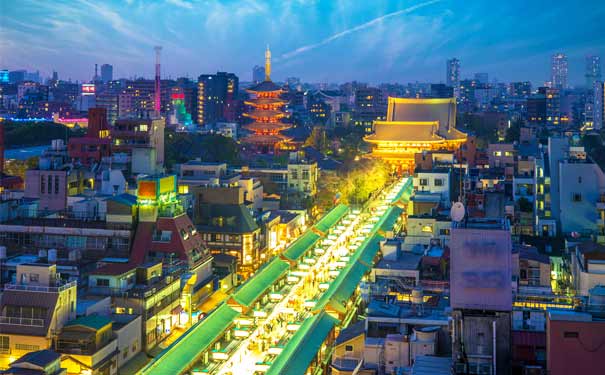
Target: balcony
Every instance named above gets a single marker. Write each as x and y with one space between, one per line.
40 288
17 321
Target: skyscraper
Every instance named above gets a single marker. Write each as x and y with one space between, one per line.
258 74
558 71
106 73
452 77
593 71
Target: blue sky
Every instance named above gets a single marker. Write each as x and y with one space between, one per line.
318 41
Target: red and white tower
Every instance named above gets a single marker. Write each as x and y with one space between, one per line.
157 96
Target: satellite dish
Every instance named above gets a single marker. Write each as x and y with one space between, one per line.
457 212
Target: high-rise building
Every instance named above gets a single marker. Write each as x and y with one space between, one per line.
215 92
106 73
258 74
482 78
452 75
593 71
598 105
559 71
4 76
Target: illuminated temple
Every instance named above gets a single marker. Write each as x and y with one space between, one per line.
266 111
413 126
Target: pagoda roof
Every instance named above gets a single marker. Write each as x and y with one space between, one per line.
265 139
405 131
265 101
268 126
265 86
265 113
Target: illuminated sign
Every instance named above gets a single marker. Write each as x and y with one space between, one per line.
88 89
162 189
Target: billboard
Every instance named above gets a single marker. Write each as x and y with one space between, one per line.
147 190
480 268
88 89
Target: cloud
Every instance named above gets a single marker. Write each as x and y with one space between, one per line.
357 28
181 4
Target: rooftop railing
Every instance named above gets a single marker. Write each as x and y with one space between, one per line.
17 321
40 288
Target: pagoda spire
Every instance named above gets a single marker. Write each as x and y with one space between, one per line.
268 64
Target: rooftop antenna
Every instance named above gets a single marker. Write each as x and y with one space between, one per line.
156 102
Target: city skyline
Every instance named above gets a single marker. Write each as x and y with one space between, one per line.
397 41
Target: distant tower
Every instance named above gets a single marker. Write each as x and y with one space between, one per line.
452 77
268 64
156 103
593 71
96 77
558 71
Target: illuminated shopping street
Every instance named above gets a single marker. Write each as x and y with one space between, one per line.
250 332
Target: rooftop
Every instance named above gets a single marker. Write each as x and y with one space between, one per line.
95 322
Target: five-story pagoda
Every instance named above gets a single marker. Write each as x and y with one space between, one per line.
266 111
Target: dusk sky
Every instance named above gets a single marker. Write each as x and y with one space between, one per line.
318 41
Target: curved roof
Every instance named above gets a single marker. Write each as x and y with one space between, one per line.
405 131
265 113
267 126
442 111
265 139
265 101
264 87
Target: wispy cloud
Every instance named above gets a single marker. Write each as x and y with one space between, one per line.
357 28
180 3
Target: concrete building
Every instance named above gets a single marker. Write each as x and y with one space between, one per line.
481 296
149 290
574 338
34 309
435 181
452 72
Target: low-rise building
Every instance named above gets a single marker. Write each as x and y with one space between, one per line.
89 345
33 310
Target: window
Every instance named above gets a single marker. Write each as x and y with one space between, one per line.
576 197
42 187
571 335
579 179
4 344
349 348
444 231
56 184
49 185
102 282
143 128
305 175
438 182
424 182
294 175
34 277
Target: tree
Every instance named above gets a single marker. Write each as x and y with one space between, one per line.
181 147
513 133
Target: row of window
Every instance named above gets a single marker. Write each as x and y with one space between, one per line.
46 188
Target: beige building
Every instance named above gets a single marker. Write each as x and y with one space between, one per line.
33 310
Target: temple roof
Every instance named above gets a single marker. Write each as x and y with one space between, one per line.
264 87
405 131
267 126
265 139
265 101
257 113
412 110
